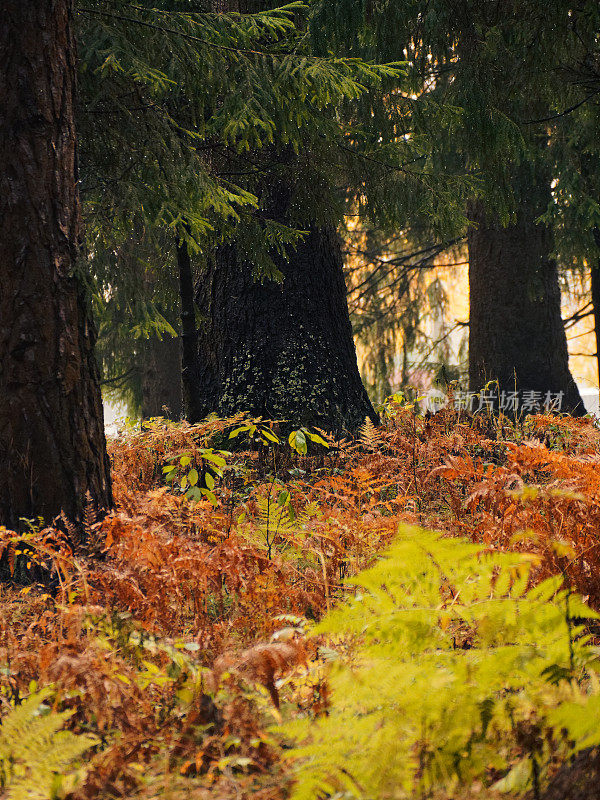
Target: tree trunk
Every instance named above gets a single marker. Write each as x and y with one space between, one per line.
52 444
578 779
190 372
161 378
281 351
595 287
516 333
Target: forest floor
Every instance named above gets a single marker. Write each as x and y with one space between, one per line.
177 630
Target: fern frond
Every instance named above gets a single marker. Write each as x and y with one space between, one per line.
275 518
454 653
368 436
36 756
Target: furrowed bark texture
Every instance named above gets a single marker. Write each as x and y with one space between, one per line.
282 351
578 779
191 379
52 445
595 292
516 333
161 378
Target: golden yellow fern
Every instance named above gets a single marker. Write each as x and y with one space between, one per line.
369 436
36 756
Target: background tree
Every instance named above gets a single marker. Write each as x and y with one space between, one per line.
288 99
399 303
286 351
575 214
51 421
138 344
282 350
498 70
516 334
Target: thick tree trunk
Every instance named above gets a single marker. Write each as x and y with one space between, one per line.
52 445
281 351
578 779
516 333
161 378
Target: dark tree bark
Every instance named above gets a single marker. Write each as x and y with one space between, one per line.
281 351
52 445
578 779
190 373
595 287
516 333
161 378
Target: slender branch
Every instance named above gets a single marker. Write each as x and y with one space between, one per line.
190 37
171 12
119 378
564 113
438 342
392 167
579 335
578 315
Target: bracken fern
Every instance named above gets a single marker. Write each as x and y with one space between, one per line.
36 756
459 673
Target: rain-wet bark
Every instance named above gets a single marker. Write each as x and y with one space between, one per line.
516 333
52 445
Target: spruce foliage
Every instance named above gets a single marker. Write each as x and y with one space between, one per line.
184 114
181 95
492 86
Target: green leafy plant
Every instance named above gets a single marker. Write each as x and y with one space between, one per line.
158 662
395 403
195 476
458 673
275 518
280 527
36 756
257 431
298 440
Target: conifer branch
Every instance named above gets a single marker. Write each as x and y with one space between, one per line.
190 37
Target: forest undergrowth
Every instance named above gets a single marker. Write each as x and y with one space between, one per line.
173 646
